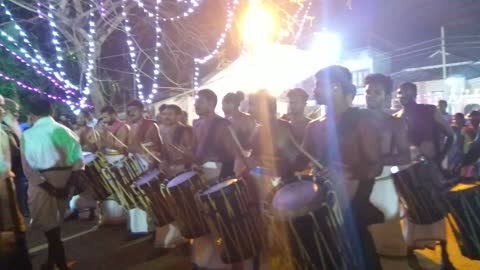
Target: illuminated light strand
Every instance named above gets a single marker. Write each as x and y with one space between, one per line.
156 57
131 48
103 11
292 20
91 51
59 58
38 71
39 7
38 57
158 45
190 10
35 89
186 13
200 61
55 35
302 22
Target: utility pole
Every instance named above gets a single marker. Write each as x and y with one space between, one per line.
444 54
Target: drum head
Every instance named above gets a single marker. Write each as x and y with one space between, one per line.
219 186
295 196
147 177
179 179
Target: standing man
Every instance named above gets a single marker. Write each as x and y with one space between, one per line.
13 246
426 130
89 138
242 123
272 141
215 151
442 108
395 150
11 126
394 135
178 139
114 132
51 153
144 137
213 141
160 116
297 101
347 141
145 142
473 129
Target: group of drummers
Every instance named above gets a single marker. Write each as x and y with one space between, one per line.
254 191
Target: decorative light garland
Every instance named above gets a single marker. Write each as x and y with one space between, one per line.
103 11
158 45
231 6
55 36
38 71
302 22
156 57
91 51
193 5
35 89
132 53
39 6
292 20
188 12
38 57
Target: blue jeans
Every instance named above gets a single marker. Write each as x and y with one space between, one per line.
21 187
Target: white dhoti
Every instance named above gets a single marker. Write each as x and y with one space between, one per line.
387 236
47 212
168 236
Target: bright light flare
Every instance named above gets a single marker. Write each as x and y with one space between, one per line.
258 26
327 45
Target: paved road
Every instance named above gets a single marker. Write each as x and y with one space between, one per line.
102 248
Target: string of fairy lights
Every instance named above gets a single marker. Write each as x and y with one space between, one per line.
56 74
138 86
302 22
38 59
231 6
156 57
91 51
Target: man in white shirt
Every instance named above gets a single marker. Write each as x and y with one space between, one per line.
51 153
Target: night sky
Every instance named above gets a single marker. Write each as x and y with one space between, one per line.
396 23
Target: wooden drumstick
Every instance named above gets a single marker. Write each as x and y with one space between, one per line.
176 148
150 153
156 159
305 153
117 139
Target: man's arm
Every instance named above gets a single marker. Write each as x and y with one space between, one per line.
401 146
446 130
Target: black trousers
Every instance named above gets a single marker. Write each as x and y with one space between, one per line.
19 259
56 252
